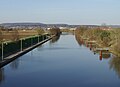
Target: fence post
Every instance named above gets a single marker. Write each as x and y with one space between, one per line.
31 41
21 45
38 39
2 51
43 37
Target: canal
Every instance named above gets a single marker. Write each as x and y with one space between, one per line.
61 63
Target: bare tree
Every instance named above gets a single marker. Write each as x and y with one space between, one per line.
15 35
1 36
40 31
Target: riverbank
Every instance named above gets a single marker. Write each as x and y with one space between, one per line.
109 49
100 47
18 54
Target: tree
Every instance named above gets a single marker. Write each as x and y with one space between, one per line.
89 33
54 31
104 34
1 36
80 30
2 27
116 48
105 38
103 25
15 35
40 31
1 33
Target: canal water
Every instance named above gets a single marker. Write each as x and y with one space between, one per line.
61 63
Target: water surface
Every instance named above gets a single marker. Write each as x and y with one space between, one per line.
62 63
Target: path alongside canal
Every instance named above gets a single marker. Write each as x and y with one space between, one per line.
18 54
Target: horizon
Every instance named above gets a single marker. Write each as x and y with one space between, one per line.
59 23
73 12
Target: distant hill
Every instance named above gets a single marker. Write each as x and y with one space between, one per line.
22 24
49 25
114 26
36 24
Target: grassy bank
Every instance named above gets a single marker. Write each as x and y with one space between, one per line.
11 47
105 38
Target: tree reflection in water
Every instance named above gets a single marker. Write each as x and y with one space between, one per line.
39 48
14 64
2 76
115 64
55 39
103 55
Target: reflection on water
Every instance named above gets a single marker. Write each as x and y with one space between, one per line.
103 54
15 64
115 64
39 48
63 62
55 39
2 76
114 61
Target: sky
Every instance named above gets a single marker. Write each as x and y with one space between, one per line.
60 11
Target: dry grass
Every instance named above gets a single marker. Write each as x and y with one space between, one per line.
10 35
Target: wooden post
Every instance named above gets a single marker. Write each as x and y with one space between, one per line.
90 46
100 57
87 44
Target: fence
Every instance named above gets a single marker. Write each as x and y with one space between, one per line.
9 48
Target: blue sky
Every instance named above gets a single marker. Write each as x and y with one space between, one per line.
61 11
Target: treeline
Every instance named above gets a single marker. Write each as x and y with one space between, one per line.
104 37
15 40
54 31
16 34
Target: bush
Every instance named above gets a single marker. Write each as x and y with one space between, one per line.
54 31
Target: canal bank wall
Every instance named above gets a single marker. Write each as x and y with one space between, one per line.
12 57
